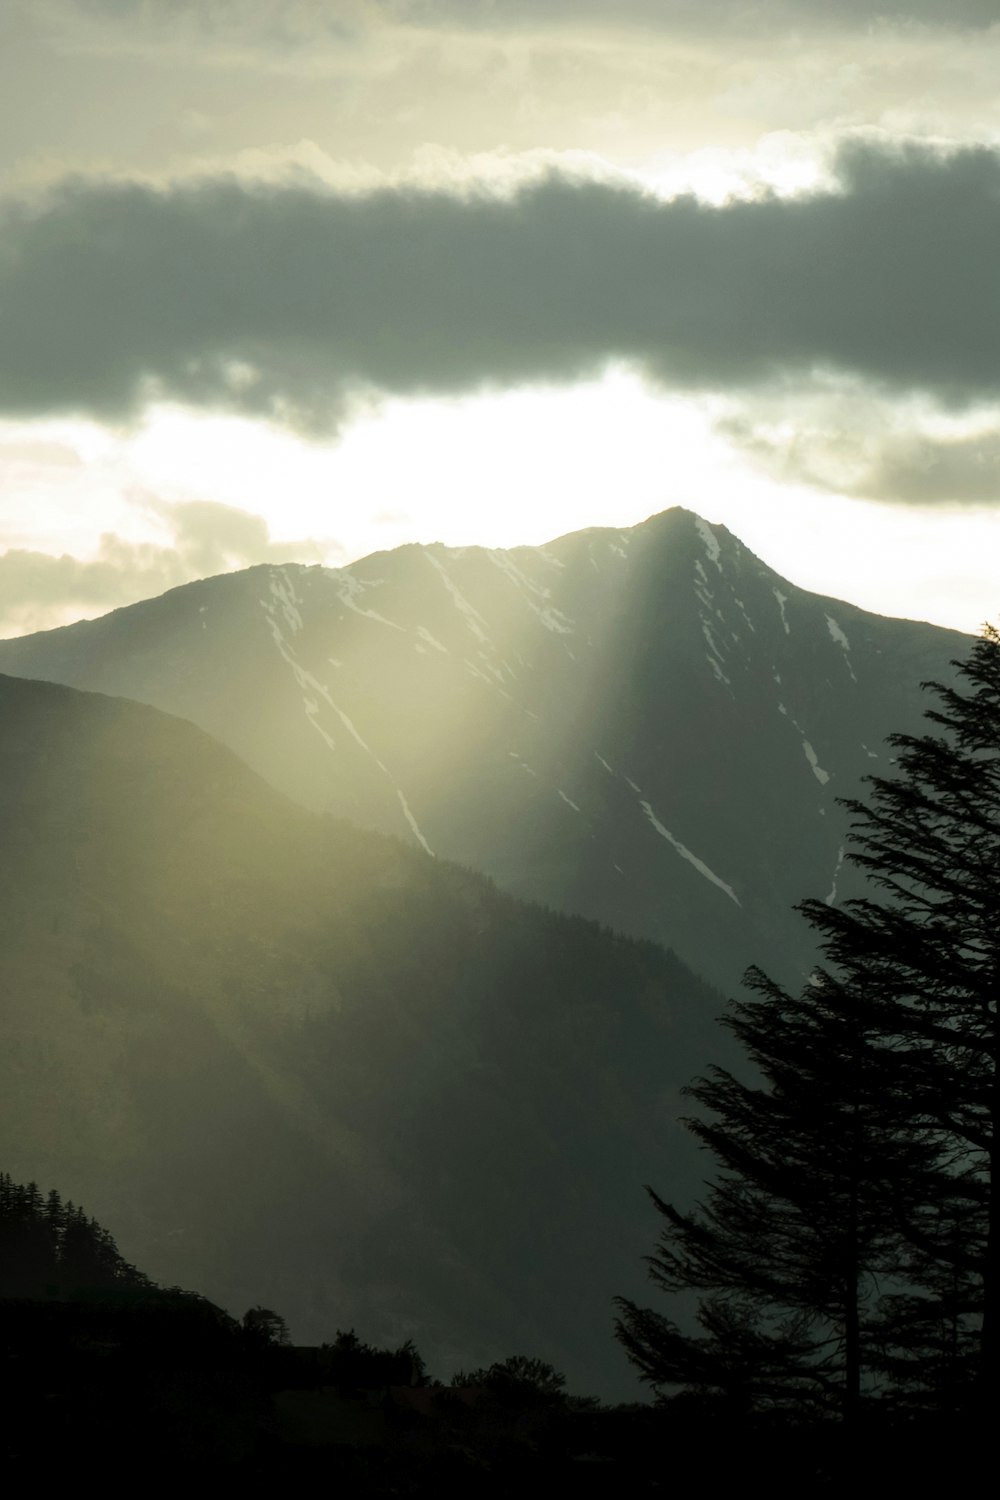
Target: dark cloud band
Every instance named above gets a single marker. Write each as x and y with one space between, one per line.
285 300
752 14
343 17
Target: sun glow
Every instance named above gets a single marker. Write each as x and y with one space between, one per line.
497 469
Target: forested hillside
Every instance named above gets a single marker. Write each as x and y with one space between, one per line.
301 1064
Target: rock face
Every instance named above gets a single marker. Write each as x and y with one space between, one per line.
648 727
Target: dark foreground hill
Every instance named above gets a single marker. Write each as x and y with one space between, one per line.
300 1064
649 727
107 1374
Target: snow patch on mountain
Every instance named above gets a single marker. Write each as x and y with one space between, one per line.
352 731
810 754
743 611
664 832
314 721
349 589
553 619
838 635
556 621
312 691
719 673
493 681
407 814
821 776
469 613
431 640
709 542
685 853
831 898
716 658
782 601
288 601
506 564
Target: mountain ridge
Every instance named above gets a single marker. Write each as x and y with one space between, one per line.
648 726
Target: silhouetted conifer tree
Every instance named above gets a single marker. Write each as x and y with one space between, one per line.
850 1235
928 953
792 1241
47 1246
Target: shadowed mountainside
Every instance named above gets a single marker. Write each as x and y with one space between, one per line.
299 1063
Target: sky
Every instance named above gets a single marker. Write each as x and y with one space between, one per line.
307 279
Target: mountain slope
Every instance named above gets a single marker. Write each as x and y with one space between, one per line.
300 1064
649 727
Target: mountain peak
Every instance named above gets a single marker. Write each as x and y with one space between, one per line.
646 725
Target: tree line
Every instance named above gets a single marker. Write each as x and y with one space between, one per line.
48 1247
842 1261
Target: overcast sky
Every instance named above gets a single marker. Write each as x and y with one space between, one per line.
304 280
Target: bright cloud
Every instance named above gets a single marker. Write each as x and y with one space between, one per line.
320 278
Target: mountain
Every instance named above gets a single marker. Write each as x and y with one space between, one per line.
300 1064
649 727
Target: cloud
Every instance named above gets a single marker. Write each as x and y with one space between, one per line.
39 590
929 471
219 30
284 301
754 15
893 454
344 22
213 538
163 86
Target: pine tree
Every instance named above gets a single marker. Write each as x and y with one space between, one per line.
928 951
792 1243
47 1246
27 1258
850 1236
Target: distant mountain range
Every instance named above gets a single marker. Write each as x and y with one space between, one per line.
649 727
300 1064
